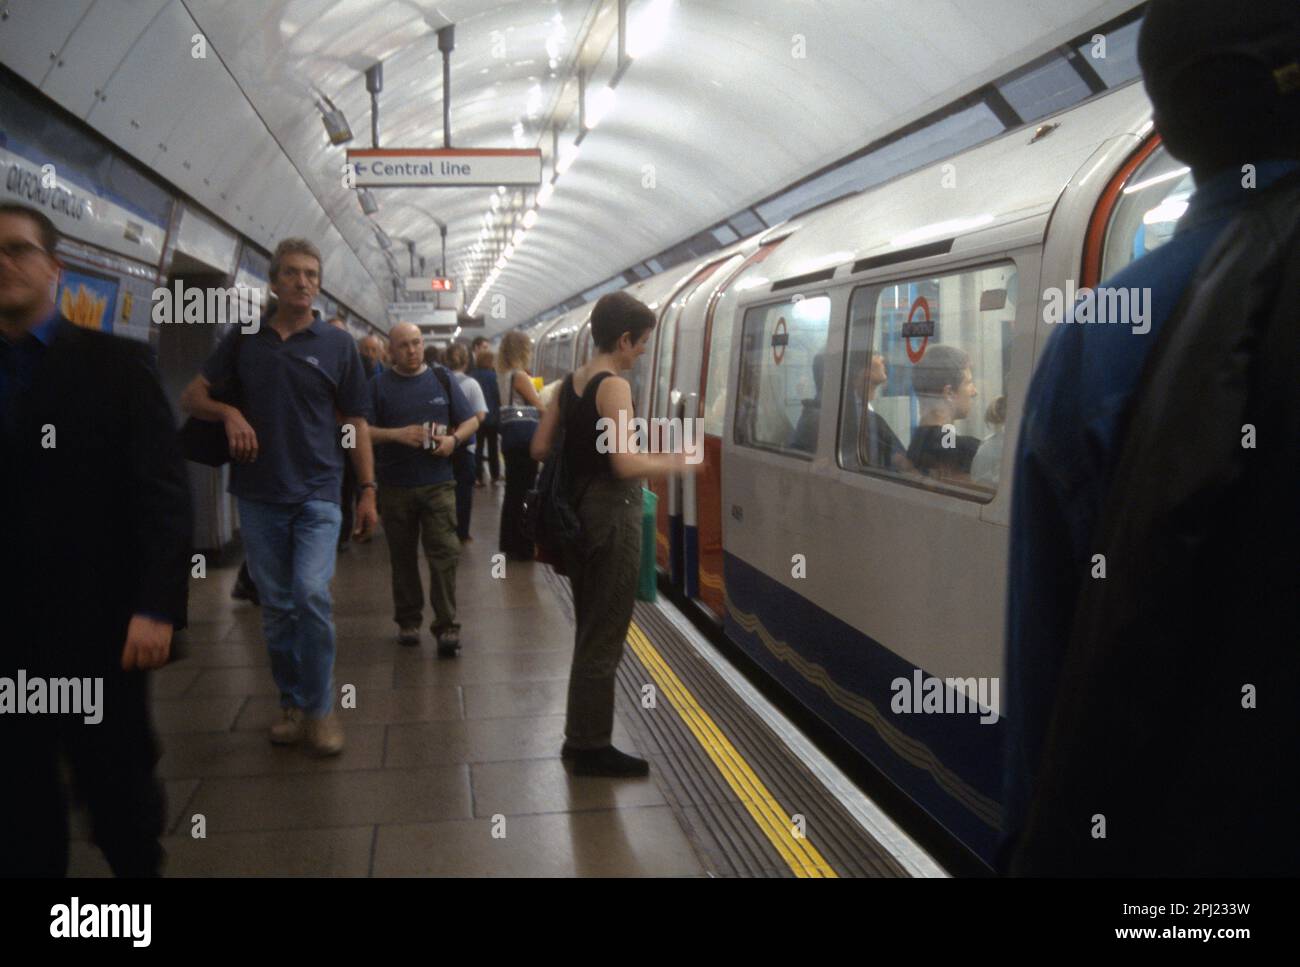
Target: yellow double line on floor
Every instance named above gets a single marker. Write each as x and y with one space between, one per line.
797 851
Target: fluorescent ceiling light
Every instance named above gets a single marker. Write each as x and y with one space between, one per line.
600 106
647 26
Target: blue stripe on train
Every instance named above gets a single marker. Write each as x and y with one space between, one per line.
858 664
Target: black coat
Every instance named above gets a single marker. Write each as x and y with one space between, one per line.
1177 720
97 526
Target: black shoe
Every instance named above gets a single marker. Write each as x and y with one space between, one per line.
245 591
448 644
607 762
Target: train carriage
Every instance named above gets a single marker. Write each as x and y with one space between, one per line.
848 575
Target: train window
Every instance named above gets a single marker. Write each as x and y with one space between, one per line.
782 350
664 372
638 378
715 387
562 357
1152 201
925 384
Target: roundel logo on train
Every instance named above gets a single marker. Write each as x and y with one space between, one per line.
914 328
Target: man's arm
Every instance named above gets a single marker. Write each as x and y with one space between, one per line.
161 517
414 435
363 462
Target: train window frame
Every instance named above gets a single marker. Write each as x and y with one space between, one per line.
981 496
1177 185
783 299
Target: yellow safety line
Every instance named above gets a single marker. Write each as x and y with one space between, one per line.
797 851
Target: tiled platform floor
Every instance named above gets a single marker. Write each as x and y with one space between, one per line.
451 768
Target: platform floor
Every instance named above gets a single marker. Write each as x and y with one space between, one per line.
440 753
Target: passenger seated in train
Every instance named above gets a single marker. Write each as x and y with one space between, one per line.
945 390
805 432
878 444
987 465
867 436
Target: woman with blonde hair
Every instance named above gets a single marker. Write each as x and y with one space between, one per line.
520 411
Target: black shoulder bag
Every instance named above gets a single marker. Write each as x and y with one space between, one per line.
204 441
550 515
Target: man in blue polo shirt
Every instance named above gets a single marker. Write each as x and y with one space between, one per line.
296 372
1224 107
413 406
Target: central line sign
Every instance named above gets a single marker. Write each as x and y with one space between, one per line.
445 167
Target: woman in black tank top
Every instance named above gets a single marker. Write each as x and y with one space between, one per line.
604 566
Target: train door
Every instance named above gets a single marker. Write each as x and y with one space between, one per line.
705 584
666 403
584 345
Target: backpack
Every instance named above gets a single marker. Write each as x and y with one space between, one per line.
1156 725
550 517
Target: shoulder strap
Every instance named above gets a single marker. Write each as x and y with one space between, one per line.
444 377
596 381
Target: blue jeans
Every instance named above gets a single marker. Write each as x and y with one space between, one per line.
291 551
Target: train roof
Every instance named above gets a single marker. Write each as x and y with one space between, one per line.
1004 180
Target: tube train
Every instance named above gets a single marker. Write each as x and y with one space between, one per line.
818 533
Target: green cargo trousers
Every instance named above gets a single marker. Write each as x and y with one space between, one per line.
422 515
603 570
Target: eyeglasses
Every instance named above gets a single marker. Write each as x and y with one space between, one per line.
17 251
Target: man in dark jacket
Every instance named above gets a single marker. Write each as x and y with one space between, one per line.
1174 738
1223 83
93 571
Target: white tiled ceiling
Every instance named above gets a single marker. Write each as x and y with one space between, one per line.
723 113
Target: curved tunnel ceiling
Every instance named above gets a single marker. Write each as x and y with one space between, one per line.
740 98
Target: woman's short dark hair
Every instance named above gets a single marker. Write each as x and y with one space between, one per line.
615 314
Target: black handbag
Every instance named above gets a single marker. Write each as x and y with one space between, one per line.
204 441
550 514
517 423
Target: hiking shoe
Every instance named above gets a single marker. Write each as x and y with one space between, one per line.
287 731
607 762
449 643
408 636
324 736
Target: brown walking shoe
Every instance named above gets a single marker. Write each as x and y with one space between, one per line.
287 731
325 736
